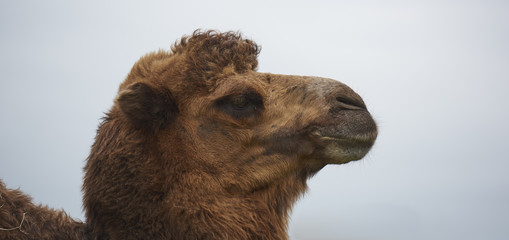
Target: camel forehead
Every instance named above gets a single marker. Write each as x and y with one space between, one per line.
255 80
271 81
311 83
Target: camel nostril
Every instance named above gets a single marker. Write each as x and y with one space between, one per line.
350 103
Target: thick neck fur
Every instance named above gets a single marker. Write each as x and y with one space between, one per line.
132 190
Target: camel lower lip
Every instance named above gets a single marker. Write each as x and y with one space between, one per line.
339 150
364 139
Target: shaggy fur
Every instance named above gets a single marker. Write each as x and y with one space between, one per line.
198 145
21 219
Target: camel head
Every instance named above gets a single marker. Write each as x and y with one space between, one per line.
198 137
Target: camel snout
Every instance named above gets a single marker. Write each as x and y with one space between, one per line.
340 95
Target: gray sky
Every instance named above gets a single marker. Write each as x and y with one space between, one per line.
435 75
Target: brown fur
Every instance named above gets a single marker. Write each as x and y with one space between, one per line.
21 219
198 145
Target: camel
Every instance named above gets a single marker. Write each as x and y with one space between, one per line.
199 145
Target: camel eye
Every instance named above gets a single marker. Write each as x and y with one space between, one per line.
242 105
239 102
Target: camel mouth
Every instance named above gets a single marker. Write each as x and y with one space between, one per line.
364 138
343 136
340 149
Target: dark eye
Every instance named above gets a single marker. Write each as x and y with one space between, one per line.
240 102
241 105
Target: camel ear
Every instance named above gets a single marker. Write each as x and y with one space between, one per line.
147 108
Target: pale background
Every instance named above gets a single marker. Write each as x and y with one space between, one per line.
435 75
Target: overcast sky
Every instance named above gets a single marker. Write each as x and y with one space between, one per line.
434 74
